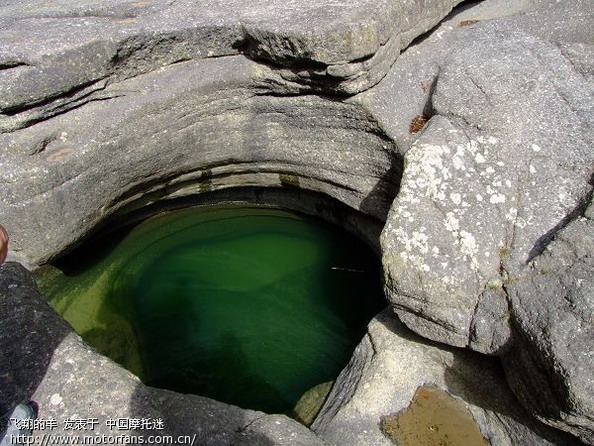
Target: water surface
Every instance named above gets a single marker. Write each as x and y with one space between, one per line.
250 306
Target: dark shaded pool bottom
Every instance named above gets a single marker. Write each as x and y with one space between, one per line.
250 306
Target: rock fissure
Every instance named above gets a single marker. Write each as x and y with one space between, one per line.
579 210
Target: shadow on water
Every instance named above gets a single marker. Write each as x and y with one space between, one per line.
182 321
178 355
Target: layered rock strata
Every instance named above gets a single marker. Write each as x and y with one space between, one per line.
110 106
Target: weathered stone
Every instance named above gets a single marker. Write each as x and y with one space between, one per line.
505 162
67 53
108 106
551 367
27 340
392 363
179 132
46 362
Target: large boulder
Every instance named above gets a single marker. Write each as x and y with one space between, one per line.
551 366
44 361
503 165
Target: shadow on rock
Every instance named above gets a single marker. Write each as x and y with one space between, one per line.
486 388
28 336
380 198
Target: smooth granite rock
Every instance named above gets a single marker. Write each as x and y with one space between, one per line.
392 363
180 131
49 364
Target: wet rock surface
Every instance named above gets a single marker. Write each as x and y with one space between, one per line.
473 143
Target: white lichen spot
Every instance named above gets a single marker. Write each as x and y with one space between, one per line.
532 169
511 214
452 224
490 169
56 399
456 198
425 171
536 148
520 223
448 280
479 158
479 197
497 198
419 242
435 251
468 244
458 163
426 268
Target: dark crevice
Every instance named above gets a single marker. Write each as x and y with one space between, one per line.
60 110
460 7
7 65
69 94
428 110
578 211
43 144
248 425
422 315
251 48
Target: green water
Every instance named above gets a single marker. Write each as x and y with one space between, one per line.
250 306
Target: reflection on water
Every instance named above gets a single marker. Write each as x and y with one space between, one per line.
249 306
